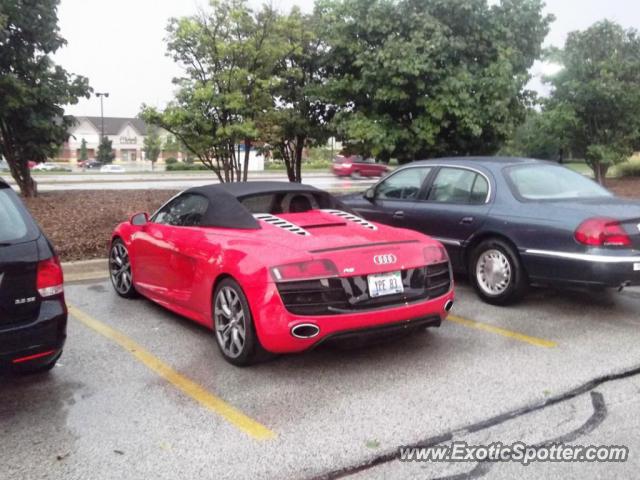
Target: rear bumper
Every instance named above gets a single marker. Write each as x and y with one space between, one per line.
36 343
274 322
601 269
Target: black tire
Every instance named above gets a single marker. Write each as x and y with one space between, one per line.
120 270
251 350
496 272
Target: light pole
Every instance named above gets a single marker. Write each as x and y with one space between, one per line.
101 95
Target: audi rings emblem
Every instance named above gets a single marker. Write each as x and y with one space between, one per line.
386 259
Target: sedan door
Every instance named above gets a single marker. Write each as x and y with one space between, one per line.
456 204
395 196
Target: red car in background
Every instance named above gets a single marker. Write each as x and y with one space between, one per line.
279 267
355 166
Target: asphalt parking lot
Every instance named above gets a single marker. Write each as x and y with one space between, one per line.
143 393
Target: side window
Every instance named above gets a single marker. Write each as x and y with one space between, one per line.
457 185
480 190
404 185
184 211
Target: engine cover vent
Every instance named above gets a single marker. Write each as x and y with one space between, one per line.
351 218
281 223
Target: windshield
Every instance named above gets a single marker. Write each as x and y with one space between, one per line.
14 227
552 182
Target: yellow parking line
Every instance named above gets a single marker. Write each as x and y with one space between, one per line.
538 342
182 383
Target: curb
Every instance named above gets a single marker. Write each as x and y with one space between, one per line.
95 269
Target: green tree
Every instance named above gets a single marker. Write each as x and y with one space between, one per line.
299 119
595 98
33 89
172 145
229 56
420 78
538 137
152 145
84 154
105 151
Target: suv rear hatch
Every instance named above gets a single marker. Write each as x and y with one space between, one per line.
19 299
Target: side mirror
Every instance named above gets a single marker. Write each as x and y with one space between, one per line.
370 194
139 219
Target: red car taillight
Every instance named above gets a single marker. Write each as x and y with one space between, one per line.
602 232
50 279
435 254
312 269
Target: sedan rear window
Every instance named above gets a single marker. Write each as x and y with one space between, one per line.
551 182
13 226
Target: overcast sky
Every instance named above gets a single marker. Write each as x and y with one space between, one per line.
118 44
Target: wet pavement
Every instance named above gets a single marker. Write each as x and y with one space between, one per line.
143 393
180 181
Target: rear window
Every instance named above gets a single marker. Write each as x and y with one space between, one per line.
551 182
289 202
15 225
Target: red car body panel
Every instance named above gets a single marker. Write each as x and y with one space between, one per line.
178 268
347 166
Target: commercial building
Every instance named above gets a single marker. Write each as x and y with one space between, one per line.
127 140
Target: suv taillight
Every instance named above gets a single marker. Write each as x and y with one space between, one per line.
602 232
50 279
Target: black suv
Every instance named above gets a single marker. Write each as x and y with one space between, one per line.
33 314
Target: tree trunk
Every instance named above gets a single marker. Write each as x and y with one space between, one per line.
300 139
247 151
600 171
22 175
285 151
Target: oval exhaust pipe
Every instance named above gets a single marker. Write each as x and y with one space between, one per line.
448 306
305 330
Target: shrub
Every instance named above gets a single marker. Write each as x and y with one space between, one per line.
171 161
630 168
180 166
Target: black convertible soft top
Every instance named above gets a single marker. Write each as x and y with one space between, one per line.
241 190
227 197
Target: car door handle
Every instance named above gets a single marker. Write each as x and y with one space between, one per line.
398 214
466 221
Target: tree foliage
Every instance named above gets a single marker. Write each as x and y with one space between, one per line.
298 118
33 89
423 78
249 76
105 150
84 153
538 137
152 145
595 98
228 55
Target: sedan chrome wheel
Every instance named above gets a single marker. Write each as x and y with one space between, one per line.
120 269
493 272
230 322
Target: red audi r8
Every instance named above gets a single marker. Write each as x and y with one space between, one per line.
279 267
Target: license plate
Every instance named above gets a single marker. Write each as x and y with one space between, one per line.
636 267
385 284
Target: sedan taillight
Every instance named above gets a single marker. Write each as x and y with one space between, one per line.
50 279
602 232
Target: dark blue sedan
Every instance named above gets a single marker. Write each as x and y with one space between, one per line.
512 222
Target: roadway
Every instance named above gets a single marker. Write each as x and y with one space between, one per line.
177 181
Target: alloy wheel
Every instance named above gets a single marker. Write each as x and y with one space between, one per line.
120 268
230 322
